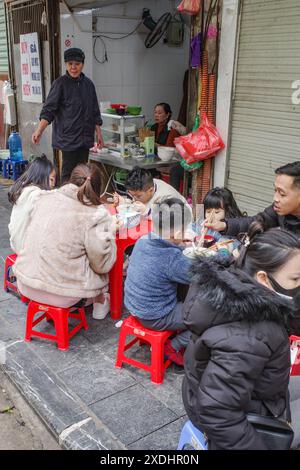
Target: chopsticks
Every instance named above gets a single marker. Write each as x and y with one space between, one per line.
225 242
205 230
130 196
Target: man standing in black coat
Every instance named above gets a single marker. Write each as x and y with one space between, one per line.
72 106
284 212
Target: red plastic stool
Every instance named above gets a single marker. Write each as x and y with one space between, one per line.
295 362
9 284
60 318
157 339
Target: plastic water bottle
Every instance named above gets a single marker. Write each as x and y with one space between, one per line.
8 100
15 146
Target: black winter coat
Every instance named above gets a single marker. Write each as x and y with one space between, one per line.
72 106
238 359
271 219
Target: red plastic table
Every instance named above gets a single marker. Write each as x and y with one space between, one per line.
124 239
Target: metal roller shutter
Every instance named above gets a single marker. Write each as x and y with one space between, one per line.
265 131
3 43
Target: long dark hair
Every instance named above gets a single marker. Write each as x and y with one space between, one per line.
88 179
37 174
266 251
222 198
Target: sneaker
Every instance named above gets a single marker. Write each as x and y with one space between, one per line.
101 310
172 354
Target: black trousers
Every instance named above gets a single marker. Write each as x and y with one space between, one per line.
176 175
72 159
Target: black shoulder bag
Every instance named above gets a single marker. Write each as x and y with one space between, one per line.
276 434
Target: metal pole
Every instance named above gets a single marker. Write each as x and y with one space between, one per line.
7 40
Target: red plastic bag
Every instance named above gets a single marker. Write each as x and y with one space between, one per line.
201 144
189 6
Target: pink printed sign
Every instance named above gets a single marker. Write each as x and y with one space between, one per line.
31 75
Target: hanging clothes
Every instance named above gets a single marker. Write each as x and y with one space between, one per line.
196 51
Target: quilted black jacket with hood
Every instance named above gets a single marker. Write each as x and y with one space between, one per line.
238 359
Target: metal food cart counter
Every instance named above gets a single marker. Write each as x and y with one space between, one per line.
128 163
110 160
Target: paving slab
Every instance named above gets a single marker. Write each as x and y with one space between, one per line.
133 413
87 435
59 360
169 395
162 439
97 369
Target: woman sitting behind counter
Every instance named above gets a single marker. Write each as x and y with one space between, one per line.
163 135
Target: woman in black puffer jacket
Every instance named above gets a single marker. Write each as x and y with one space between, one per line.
238 359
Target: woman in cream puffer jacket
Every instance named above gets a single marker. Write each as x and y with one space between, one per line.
69 247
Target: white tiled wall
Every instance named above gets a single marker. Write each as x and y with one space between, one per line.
136 75
133 74
73 35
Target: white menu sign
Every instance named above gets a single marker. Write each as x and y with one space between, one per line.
31 70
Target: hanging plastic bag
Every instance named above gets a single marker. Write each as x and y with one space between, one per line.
192 167
200 144
196 165
189 6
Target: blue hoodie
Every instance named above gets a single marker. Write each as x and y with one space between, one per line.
156 267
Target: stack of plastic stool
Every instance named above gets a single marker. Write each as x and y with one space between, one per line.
13 169
60 317
193 437
131 326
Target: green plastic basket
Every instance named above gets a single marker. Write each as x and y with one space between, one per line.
134 110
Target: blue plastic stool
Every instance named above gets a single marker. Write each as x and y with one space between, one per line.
192 436
13 169
6 168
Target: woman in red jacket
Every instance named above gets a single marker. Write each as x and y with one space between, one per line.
163 135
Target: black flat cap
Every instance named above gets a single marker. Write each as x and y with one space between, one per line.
74 54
